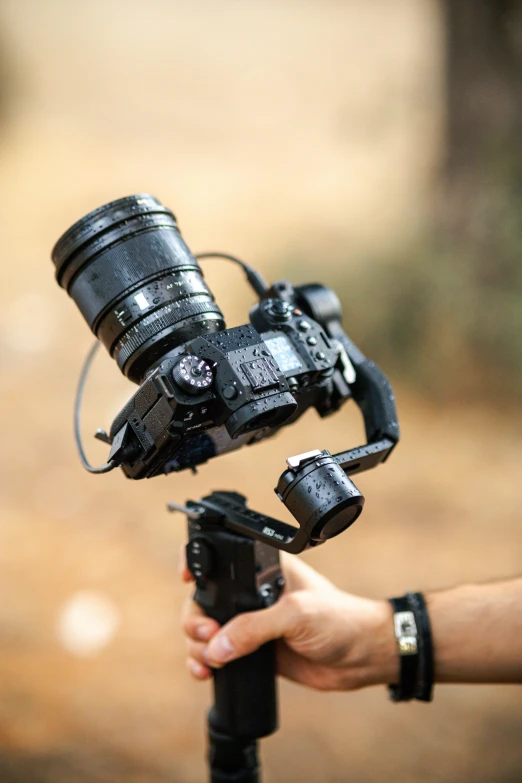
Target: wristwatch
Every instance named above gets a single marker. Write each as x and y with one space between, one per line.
408 647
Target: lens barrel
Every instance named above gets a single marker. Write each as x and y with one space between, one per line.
135 281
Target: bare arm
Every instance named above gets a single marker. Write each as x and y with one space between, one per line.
330 640
477 632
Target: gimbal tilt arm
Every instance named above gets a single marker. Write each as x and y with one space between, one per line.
315 487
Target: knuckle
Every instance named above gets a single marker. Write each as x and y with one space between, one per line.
244 627
244 632
195 650
191 627
297 602
323 681
190 666
186 610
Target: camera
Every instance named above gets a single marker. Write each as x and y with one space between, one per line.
225 389
205 390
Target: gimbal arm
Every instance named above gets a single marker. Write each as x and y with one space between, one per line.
371 390
315 487
369 386
231 508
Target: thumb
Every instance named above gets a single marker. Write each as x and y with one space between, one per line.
247 632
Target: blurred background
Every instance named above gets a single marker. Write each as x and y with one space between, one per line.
374 147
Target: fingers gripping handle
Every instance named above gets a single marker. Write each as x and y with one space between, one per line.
236 574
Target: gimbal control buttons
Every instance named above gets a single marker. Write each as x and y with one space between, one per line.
193 375
200 558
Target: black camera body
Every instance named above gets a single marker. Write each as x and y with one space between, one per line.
231 388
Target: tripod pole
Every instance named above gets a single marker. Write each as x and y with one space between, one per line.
236 574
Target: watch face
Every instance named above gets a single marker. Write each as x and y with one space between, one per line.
408 645
283 352
406 632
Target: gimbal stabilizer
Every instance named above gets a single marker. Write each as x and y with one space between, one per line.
233 555
205 390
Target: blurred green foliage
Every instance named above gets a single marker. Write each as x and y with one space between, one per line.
446 316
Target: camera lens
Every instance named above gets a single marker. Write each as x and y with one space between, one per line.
135 281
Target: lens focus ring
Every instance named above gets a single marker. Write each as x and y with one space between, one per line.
165 318
154 295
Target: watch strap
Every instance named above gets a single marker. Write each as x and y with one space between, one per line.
426 670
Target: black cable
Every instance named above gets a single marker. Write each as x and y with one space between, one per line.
254 277
77 408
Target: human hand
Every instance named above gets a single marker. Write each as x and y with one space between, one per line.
328 639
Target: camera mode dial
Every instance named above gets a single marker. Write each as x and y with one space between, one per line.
193 375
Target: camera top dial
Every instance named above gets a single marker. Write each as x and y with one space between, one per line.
193 375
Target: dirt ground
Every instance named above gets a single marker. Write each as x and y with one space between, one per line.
224 116
444 510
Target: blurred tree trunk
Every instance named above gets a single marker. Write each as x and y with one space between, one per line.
484 104
5 81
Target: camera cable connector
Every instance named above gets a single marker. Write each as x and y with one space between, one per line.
254 277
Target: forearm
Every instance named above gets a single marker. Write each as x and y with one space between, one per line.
477 632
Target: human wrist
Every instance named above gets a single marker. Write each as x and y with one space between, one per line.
385 661
374 659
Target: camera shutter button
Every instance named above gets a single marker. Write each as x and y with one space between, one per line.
229 392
